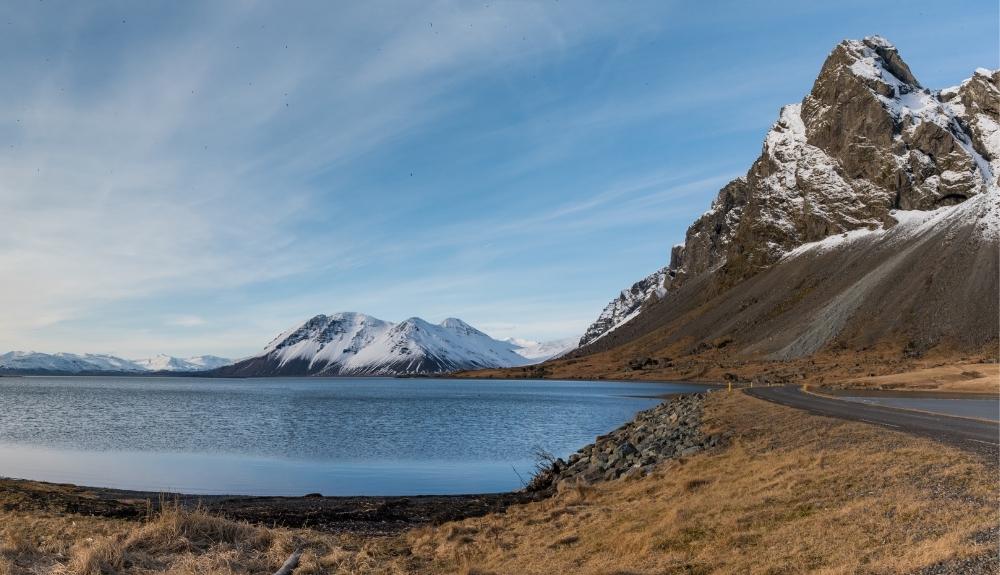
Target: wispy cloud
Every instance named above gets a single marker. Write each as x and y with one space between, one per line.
192 177
185 321
186 162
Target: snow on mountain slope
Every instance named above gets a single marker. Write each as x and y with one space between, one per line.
163 362
357 344
624 307
37 362
65 362
866 146
538 352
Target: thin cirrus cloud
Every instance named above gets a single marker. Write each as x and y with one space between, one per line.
185 321
153 177
192 178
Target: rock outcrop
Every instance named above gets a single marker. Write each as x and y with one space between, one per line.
667 431
867 147
624 307
867 139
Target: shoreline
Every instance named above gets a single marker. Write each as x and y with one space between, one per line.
368 515
360 514
202 375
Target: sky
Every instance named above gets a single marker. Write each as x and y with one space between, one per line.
195 177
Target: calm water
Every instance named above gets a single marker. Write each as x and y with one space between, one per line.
293 436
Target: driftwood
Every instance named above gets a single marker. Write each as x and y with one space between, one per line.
290 564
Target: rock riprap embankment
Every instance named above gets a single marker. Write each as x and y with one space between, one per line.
671 429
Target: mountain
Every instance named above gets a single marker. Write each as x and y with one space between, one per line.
538 352
626 306
357 344
31 361
164 362
40 363
869 219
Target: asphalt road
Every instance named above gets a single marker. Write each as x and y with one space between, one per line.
969 434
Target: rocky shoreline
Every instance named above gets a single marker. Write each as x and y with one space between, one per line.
670 430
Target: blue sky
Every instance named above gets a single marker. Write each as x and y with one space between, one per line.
189 177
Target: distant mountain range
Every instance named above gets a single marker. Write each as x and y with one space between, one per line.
169 363
356 344
538 352
36 362
339 344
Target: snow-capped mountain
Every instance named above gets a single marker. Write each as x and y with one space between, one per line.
164 362
32 361
538 352
37 362
867 139
861 175
357 344
626 306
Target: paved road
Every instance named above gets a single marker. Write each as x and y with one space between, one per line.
970 434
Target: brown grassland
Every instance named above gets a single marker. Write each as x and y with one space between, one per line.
791 493
954 378
883 366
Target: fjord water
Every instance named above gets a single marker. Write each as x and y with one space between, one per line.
292 436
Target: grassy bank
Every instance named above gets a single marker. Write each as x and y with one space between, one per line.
791 493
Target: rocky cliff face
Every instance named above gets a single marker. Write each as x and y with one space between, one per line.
867 139
624 307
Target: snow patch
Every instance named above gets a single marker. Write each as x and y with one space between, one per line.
538 352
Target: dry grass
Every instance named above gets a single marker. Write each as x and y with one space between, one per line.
794 493
180 542
956 378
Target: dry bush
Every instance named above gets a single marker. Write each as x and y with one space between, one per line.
375 557
182 542
186 542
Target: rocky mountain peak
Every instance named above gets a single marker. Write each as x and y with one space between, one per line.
866 140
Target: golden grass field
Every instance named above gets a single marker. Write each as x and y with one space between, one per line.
954 378
792 493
